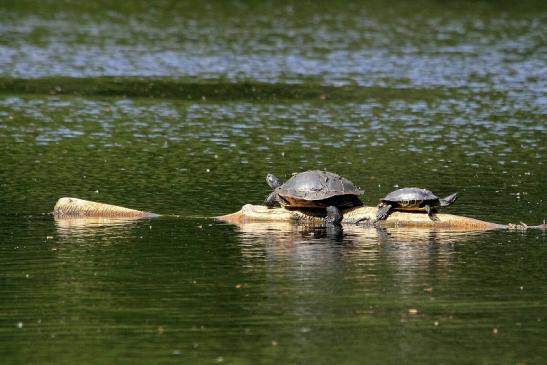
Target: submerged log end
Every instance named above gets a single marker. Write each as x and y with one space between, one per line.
258 213
74 207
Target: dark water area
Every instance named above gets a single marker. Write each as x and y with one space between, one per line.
182 108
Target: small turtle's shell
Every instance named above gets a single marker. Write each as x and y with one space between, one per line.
411 198
315 189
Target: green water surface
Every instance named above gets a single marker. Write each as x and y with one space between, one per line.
183 108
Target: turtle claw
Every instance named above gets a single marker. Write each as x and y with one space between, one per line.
431 213
434 218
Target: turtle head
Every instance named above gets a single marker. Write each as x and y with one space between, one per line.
273 181
447 200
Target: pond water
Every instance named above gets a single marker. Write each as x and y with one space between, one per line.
182 108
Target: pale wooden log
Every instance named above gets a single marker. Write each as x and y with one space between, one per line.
259 213
74 207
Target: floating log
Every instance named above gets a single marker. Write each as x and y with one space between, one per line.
74 207
259 213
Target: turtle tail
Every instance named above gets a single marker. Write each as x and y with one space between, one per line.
447 200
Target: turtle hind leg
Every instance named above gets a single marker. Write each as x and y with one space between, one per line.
334 216
431 213
383 211
271 200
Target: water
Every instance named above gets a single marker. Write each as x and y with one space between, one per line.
183 109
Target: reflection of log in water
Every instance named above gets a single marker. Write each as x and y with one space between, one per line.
308 254
70 225
293 233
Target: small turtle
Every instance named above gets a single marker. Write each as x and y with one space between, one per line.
413 199
314 189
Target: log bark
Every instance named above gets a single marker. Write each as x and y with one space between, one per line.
258 213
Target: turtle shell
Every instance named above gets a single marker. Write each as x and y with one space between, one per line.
410 197
318 189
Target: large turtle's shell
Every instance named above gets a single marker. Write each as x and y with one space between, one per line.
318 189
410 197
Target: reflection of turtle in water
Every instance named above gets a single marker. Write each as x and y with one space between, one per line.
314 189
413 199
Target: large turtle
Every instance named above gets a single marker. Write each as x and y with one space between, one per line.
314 189
413 199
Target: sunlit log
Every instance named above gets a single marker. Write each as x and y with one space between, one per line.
258 213
74 207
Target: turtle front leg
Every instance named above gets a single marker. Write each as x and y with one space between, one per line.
383 211
271 200
430 212
334 216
